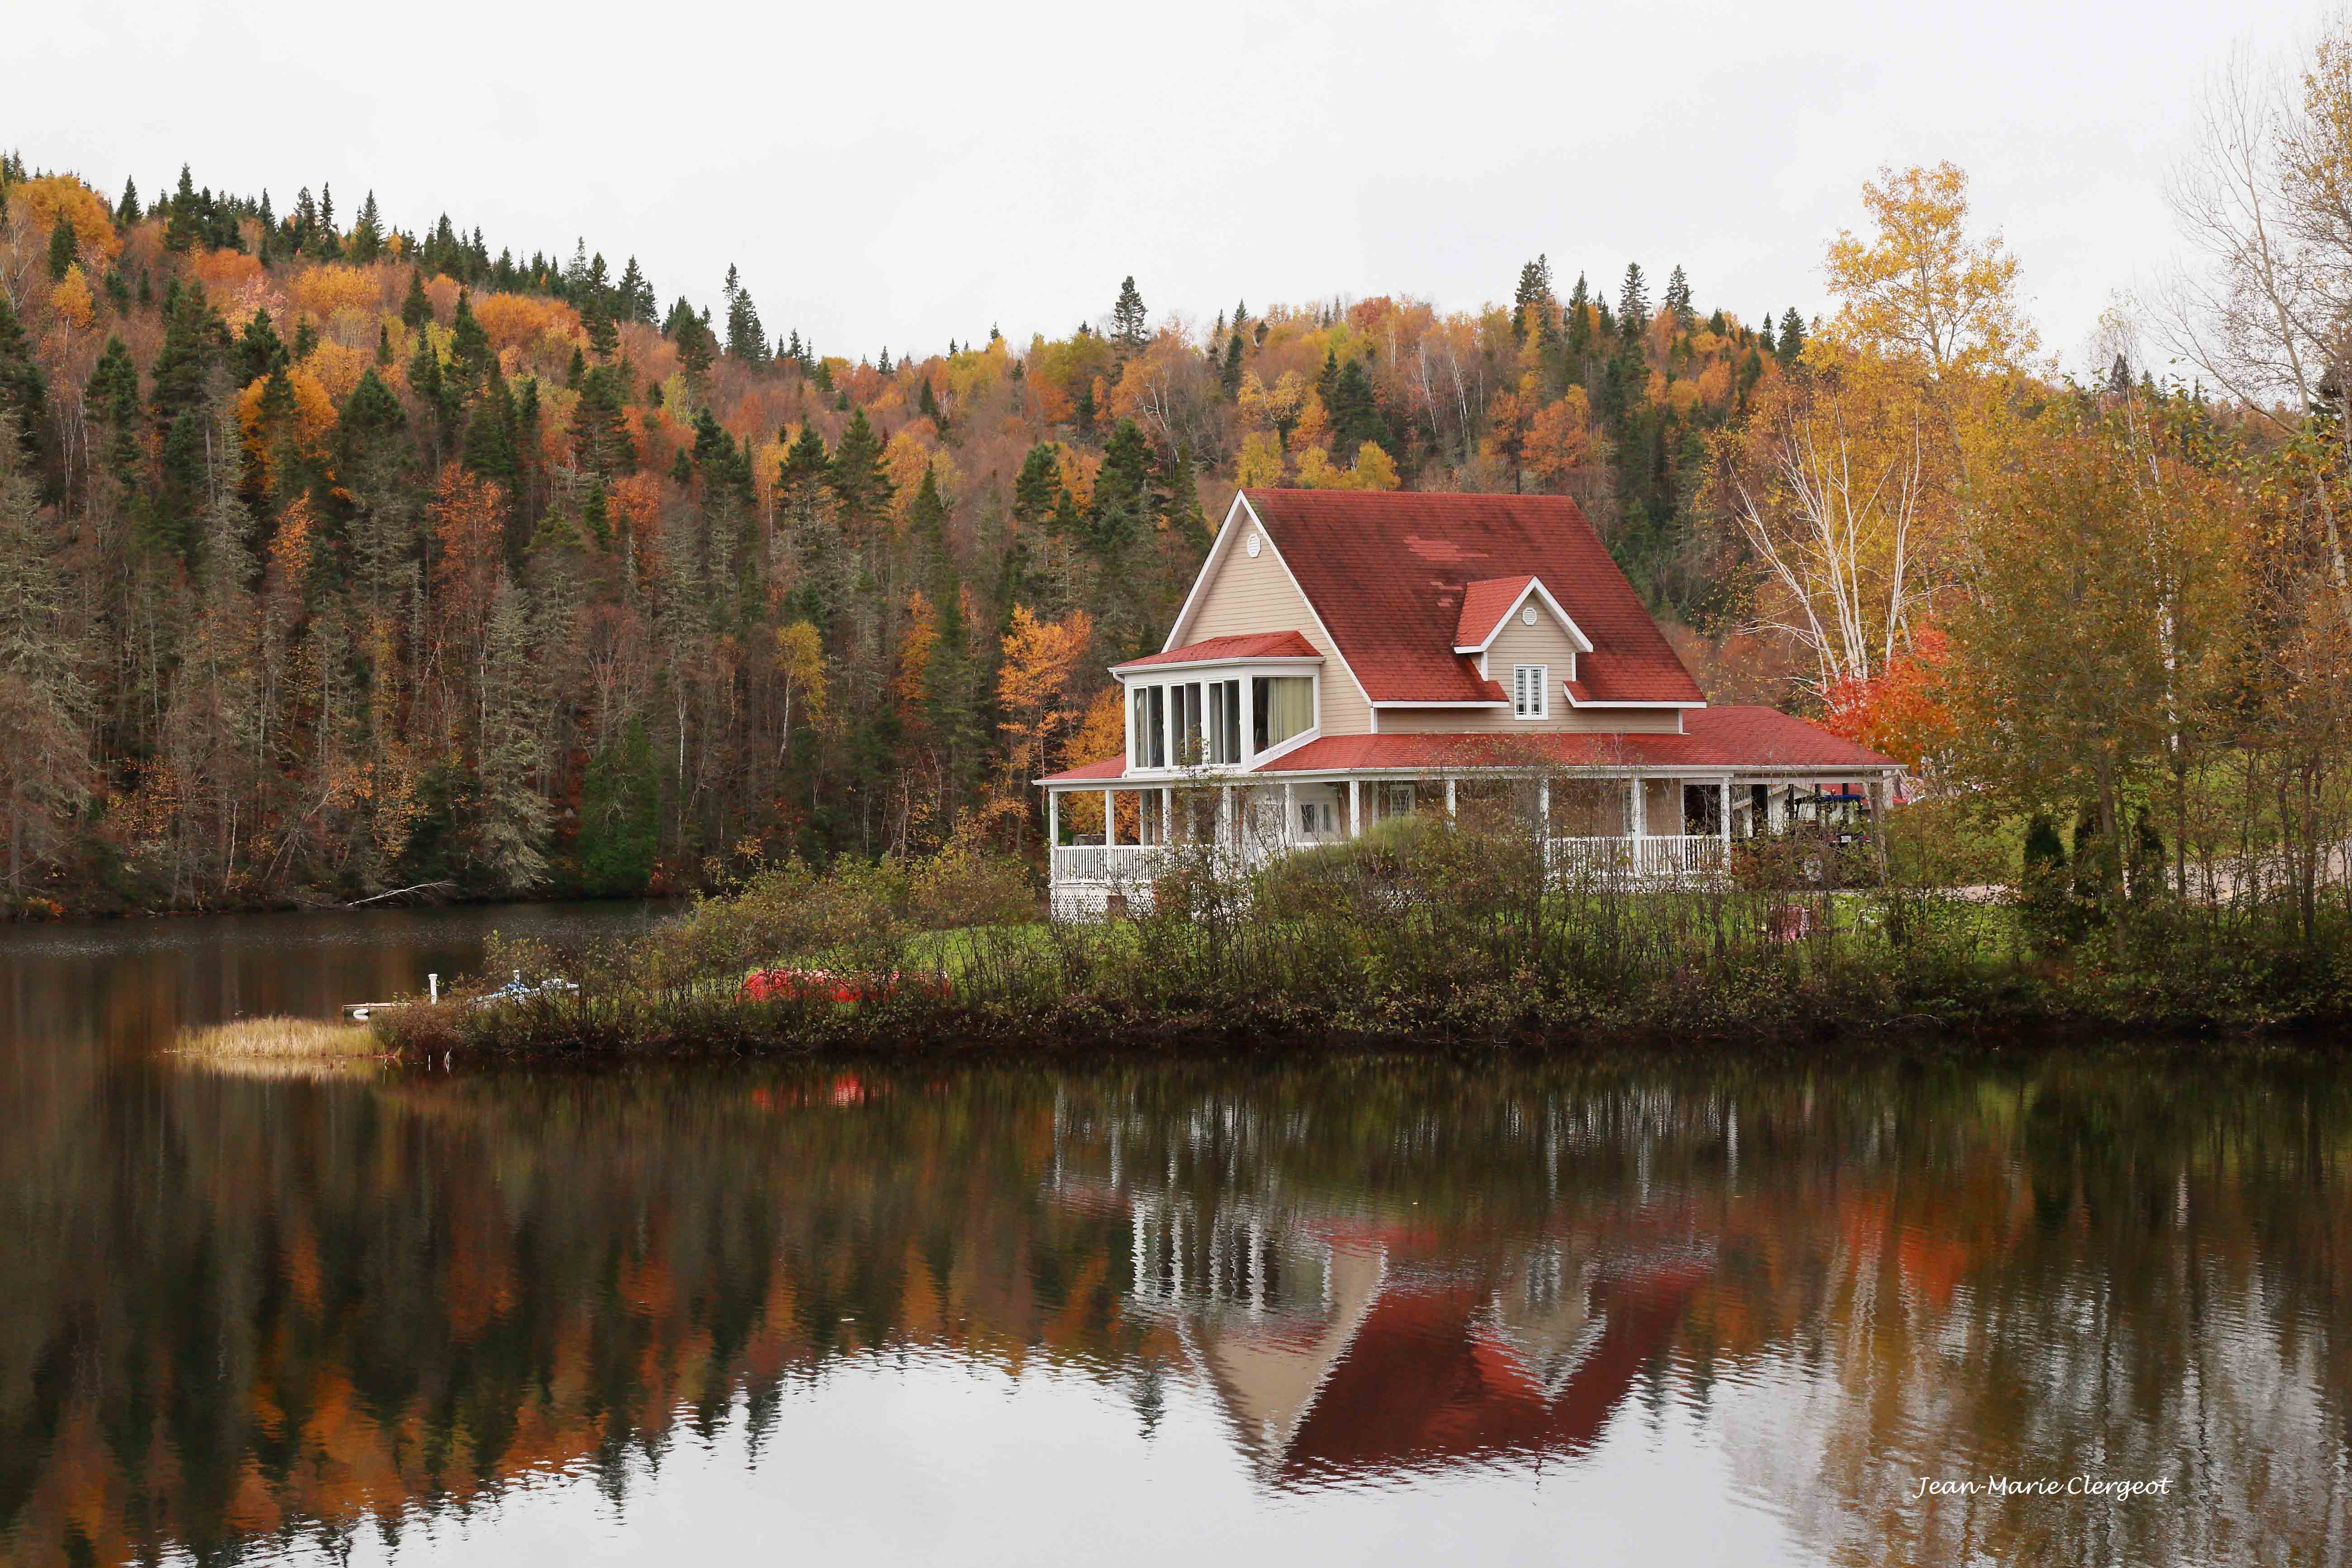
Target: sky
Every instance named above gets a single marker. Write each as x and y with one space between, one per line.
896 176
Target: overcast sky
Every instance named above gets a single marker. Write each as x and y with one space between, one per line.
901 174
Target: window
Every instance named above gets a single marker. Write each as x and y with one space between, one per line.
1225 721
1286 707
1139 731
1316 819
1186 743
1396 800
1158 726
1530 690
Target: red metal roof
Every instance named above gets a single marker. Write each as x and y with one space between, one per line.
1389 571
1760 738
1484 606
1253 644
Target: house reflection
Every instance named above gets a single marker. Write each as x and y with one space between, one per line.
1341 1347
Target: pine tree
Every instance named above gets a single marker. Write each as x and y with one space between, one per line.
1533 301
747 340
415 309
367 233
858 480
181 229
635 296
1792 335
1764 335
1634 301
112 397
1229 376
1679 300
23 394
63 251
126 212
513 829
1131 328
258 352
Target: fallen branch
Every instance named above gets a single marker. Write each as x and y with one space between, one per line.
398 892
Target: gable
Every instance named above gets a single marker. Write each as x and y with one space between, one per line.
1388 574
1240 594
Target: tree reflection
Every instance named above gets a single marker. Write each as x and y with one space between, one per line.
233 1312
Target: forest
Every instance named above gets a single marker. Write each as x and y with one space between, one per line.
339 559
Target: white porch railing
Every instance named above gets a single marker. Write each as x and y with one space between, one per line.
1651 855
1658 855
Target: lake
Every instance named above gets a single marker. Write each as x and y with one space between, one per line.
1485 1310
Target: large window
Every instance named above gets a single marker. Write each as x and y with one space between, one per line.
1530 690
1286 707
1224 722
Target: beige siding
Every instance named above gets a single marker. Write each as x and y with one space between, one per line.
1257 595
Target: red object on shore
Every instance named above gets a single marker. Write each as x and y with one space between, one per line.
825 985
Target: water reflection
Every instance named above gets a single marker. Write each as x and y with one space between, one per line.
242 1317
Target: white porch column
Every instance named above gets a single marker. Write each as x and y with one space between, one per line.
1226 832
1355 808
1776 807
1110 822
1637 814
1449 800
1167 813
1053 823
1289 809
1725 825
1543 808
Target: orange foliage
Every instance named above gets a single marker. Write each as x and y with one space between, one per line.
469 523
224 273
522 322
1559 438
54 196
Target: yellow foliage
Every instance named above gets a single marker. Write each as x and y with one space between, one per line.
322 290
973 372
906 457
1921 288
337 367
1654 391
1682 395
1316 471
1375 470
70 298
52 198
1715 384
1260 460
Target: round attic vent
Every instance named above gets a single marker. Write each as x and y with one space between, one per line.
1528 616
1253 544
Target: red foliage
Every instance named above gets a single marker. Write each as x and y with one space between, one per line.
1900 711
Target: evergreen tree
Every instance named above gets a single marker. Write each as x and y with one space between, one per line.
258 352
1679 300
513 827
1129 326
858 480
23 393
415 309
1764 336
1229 377
1532 300
63 251
112 397
620 799
636 295
184 225
1355 412
367 233
1792 335
747 340
1634 301
126 212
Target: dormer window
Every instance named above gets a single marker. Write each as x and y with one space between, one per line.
1530 691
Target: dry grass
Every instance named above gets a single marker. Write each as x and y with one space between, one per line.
280 1039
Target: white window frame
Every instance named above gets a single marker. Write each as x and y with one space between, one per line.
1531 692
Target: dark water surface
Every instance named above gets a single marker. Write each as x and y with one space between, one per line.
1358 1312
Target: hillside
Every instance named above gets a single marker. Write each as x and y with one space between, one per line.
364 559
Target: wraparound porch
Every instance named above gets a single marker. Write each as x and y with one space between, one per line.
1641 826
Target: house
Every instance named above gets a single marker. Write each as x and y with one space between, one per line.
1346 657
